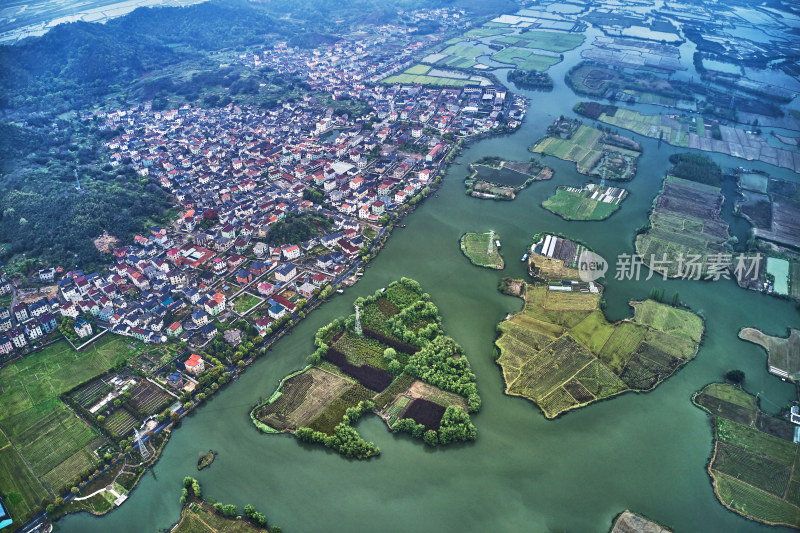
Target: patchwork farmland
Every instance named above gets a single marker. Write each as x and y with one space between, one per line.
400 363
754 463
561 353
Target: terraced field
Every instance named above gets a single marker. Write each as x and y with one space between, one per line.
561 353
754 473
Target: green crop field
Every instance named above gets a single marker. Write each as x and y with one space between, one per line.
21 489
245 301
754 503
51 439
481 250
794 280
544 40
671 131
361 350
584 148
463 50
593 331
667 319
755 441
561 352
525 59
418 69
58 368
408 78
621 344
577 205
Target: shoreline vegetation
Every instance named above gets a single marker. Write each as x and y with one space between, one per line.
392 359
561 353
208 515
531 80
753 464
482 249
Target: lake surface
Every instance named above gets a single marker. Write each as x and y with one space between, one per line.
645 452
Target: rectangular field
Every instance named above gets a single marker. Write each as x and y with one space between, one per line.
49 437
407 78
544 40
245 301
148 398
525 58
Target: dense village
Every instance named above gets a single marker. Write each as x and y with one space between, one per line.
221 272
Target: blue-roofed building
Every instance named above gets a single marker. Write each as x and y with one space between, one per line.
275 310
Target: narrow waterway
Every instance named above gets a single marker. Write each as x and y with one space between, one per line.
645 452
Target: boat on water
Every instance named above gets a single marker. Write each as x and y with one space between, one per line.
524 257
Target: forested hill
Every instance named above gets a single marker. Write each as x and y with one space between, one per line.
74 64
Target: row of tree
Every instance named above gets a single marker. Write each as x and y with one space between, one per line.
344 439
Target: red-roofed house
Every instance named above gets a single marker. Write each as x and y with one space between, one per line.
194 365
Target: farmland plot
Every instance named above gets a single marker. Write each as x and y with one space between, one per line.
570 355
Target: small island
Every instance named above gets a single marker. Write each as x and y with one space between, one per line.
594 152
562 353
206 459
590 202
531 80
753 465
483 249
496 179
390 358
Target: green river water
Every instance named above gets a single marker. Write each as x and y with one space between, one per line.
646 452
